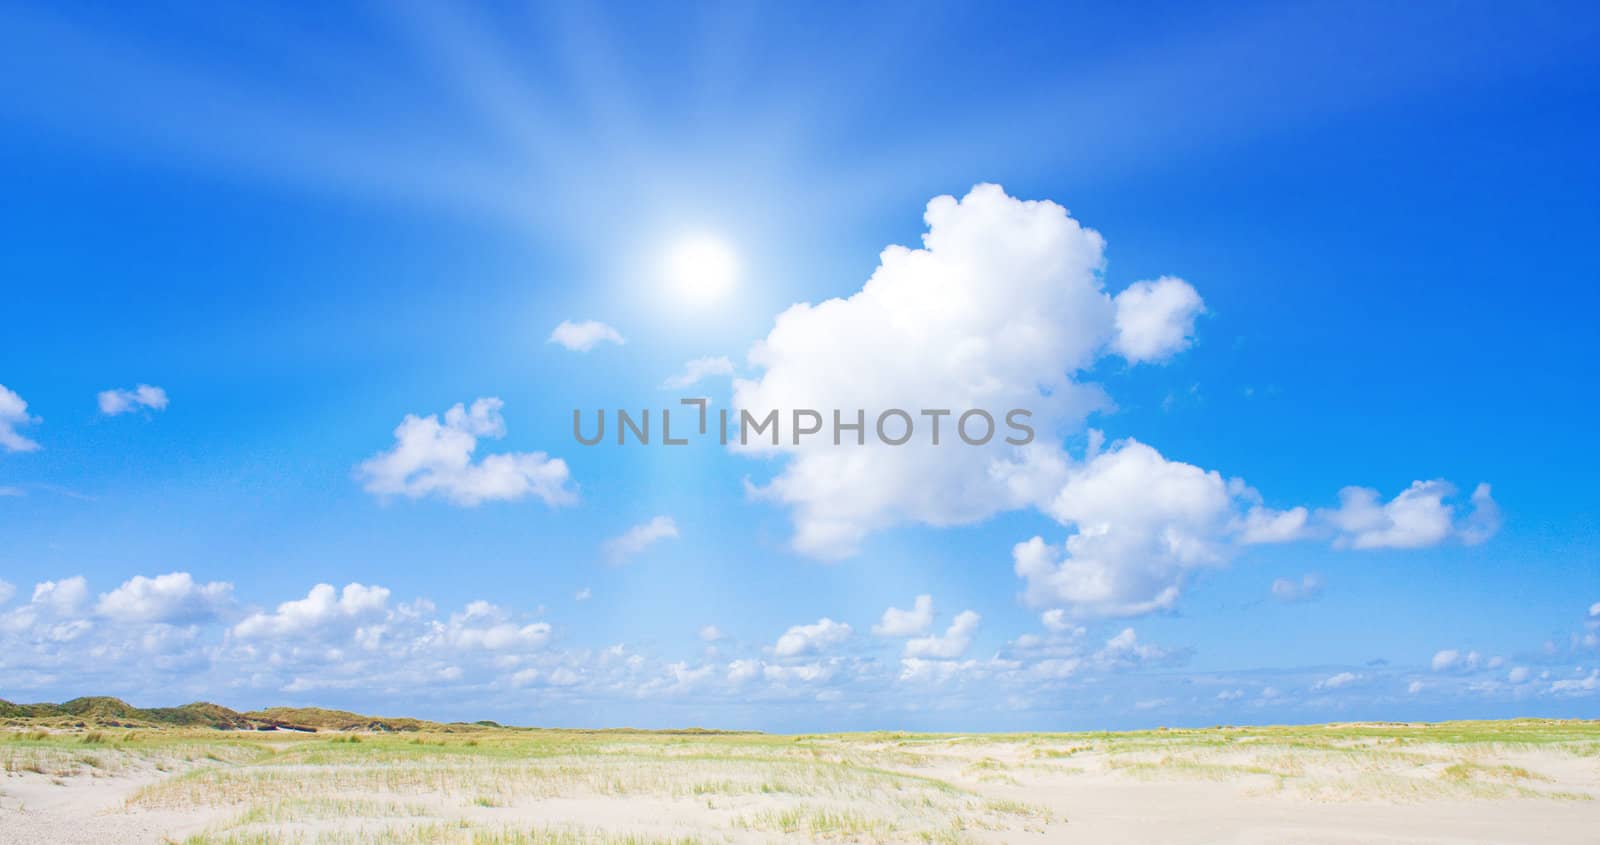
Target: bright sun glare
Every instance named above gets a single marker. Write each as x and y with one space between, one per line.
702 269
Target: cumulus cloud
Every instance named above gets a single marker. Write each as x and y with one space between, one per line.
1454 660
7 590
584 336
999 309
434 458
126 400
638 538
1155 320
1418 517
174 598
1264 525
698 369
803 639
62 597
906 623
1343 679
1290 590
1003 307
13 413
323 606
1141 522
952 644
488 627
711 633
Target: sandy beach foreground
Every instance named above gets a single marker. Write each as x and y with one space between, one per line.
1522 781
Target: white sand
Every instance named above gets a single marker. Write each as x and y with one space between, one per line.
1270 794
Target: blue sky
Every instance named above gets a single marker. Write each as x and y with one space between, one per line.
1376 225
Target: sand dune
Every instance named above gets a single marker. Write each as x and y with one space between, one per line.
1520 781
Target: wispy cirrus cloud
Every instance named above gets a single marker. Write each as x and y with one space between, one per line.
622 548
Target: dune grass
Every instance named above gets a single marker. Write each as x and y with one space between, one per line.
500 785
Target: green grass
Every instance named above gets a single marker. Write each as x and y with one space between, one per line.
452 786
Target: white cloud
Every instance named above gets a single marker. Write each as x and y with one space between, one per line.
584 336
743 670
698 369
1594 610
1265 525
1343 679
123 400
483 626
1416 518
582 595
1055 620
1124 649
7 590
62 597
13 413
1518 674
434 458
1415 687
711 633
1003 307
322 606
172 598
1453 660
1155 320
906 623
1578 685
820 635
1484 521
952 644
1288 589
998 310
1141 522
638 538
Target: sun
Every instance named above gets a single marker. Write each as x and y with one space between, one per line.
702 269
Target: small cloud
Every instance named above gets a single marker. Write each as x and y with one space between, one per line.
1290 590
1155 320
584 336
13 413
952 644
124 401
1415 687
1343 679
582 595
698 369
906 623
173 598
1418 517
638 538
711 633
431 458
804 638
1451 660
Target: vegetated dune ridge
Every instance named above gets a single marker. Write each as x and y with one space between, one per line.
77 772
